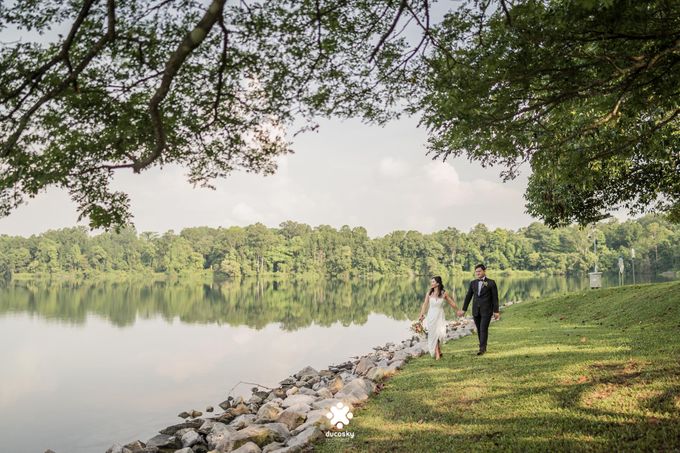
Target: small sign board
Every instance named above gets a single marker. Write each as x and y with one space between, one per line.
595 280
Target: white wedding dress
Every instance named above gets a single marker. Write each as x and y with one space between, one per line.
435 323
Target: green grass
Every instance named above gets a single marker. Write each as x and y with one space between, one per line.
590 371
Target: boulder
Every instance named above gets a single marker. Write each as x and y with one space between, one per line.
379 373
171 430
249 447
363 366
307 391
306 372
242 421
164 441
220 437
226 404
314 418
274 446
268 412
191 438
239 409
356 391
261 434
135 446
306 437
336 384
298 399
325 393
293 417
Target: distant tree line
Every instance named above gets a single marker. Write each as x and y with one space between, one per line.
297 248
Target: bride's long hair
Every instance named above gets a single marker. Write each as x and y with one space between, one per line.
440 286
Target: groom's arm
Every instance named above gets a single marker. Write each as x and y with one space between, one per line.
468 297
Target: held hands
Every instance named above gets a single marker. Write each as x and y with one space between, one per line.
460 313
496 316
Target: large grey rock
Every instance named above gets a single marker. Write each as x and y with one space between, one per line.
298 399
294 416
379 373
273 447
324 393
261 434
191 438
363 366
242 421
314 418
307 391
306 437
164 441
306 372
356 391
207 426
268 412
327 403
249 447
403 355
336 384
170 430
184 450
220 437
182 432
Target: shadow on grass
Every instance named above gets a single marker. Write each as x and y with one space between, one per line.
543 386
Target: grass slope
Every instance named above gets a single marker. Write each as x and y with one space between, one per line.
592 371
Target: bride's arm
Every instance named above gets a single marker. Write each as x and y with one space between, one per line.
451 301
423 308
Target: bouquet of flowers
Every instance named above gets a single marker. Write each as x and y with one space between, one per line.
418 328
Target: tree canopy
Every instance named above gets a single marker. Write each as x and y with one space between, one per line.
297 248
213 87
584 91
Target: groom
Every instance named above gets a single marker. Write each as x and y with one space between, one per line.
484 293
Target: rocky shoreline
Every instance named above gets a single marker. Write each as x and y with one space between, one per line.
296 414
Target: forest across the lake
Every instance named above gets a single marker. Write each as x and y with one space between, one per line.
300 249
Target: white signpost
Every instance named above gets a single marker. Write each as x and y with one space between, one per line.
632 259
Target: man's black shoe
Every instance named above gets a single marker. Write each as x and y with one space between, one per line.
480 352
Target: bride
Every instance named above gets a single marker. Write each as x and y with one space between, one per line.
435 323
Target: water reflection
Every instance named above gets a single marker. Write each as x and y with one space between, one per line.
253 303
69 366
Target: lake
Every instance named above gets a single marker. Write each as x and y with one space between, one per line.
86 365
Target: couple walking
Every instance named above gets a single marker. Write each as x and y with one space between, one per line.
484 295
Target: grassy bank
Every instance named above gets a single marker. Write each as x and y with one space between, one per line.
591 371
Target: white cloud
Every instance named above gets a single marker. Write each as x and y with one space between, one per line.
245 213
392 168
348 173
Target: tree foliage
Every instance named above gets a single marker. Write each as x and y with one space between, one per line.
300 249
586 92
212 87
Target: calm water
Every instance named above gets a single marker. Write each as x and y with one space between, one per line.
86 365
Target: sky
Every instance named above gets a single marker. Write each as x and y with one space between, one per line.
348 173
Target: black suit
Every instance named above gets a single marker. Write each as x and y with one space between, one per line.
484 305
